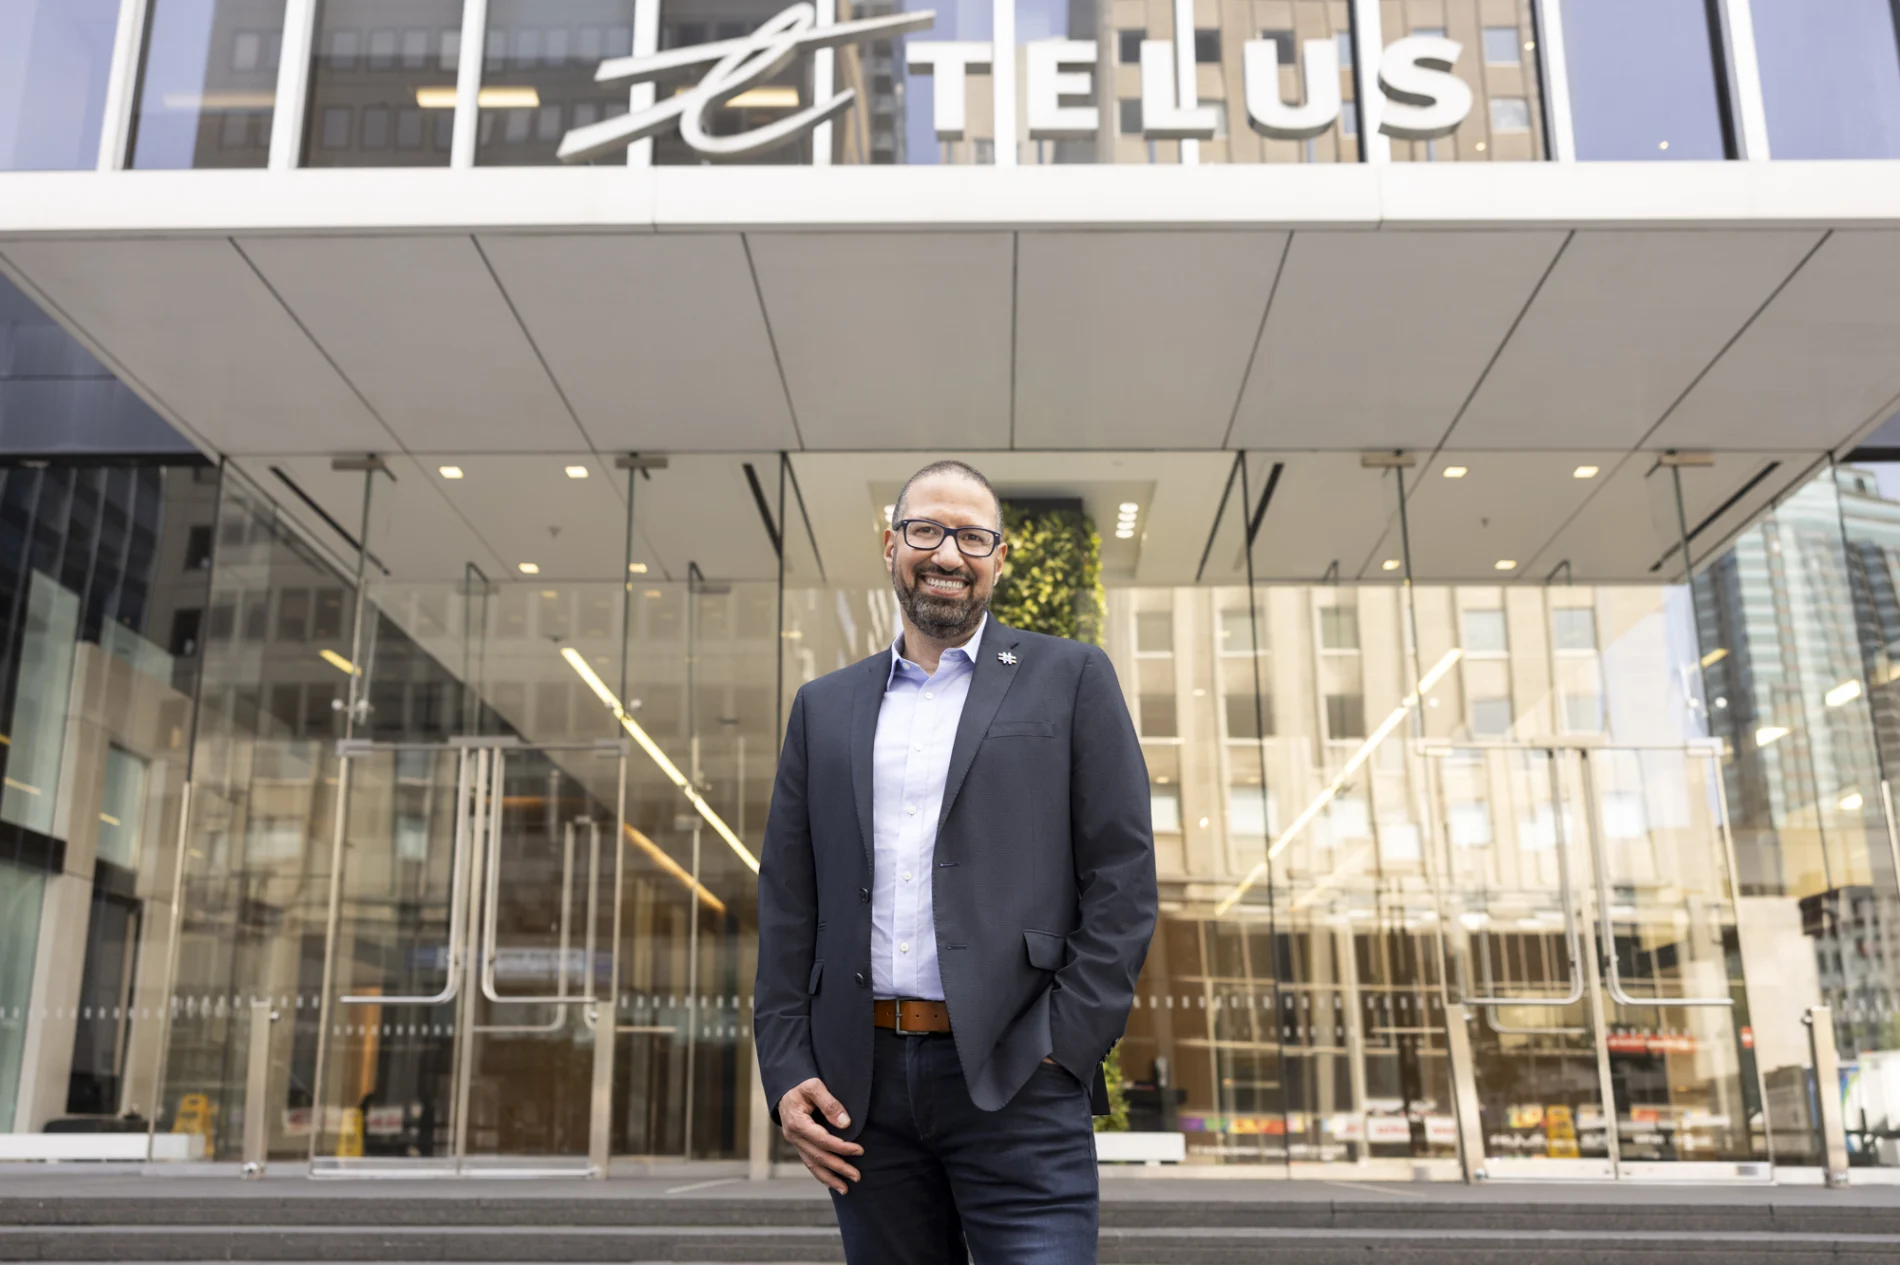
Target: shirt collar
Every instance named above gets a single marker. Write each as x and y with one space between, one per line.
967 650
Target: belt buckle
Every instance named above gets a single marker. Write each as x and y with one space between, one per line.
897 1019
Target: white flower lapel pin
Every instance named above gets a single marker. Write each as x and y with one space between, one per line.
1007 658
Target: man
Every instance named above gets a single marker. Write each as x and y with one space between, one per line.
956 895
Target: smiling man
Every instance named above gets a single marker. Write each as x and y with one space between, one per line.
956 895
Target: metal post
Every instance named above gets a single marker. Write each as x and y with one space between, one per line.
1464 1091
1555 63
257 1090
1827 1094
759 1140
122 81
293 85
468 83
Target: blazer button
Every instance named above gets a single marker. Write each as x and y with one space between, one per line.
864 895
860 978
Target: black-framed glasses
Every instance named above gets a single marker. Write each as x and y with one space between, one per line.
927 534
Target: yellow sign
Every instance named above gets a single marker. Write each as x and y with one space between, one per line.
1560 1134
196 1114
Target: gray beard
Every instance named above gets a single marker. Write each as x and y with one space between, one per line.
940 618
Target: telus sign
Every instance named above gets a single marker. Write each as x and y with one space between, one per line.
1423 99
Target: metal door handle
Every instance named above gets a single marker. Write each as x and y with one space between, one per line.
458 903
491 920
1612 978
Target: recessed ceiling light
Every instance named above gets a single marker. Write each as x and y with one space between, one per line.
1770 733
638 568
529 568
577 472
1390 564
550 593
1505 564
1715 656
449 472
1844 693
1125 533
888 511
1584 472
1851 802
1456 472
337 661
1130 507
1480 147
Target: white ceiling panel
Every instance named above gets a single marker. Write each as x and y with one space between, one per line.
532 511
1622 327
1376 339
892 340
1818 365
657 342
1353 503
1136 340
701 509
420 327
1629 532
1504 508
414 531
190 322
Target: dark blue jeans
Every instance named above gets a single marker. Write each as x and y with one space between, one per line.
1017 1186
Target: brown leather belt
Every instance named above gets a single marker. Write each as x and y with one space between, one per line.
911 1018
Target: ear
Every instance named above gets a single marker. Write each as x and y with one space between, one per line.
890 550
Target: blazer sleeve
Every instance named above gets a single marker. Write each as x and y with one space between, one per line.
1113 845
788 926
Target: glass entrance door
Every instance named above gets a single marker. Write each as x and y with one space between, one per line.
1590 926
469 959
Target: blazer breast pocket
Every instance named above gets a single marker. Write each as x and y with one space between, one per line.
1022 729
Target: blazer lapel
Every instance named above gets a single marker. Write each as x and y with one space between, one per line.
987 688
865 703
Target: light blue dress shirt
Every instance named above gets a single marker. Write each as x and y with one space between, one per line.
916 728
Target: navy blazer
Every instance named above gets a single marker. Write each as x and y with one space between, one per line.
1044 878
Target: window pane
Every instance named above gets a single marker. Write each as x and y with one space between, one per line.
1345 716
1830 77
1165 804
1154 632
1501 44
1484 632
1583 713
1237 629
1338 628
1505 122
1207 46
1158 716
55 56
1574 627
384 108
1642 80
1490 717
538 76
121 808
209 84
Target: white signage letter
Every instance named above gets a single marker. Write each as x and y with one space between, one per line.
1162 117
1424 99
1049 119
1268 111
948 62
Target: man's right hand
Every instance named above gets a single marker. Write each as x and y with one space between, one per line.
799 1113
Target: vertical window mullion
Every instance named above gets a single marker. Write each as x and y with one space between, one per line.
1368 43
293 85
468 83
128 44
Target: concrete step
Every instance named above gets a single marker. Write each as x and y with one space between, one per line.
748 1244
1759 1211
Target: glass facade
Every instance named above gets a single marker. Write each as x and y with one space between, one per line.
1830 78
55 59
209 85
382 83
1647 80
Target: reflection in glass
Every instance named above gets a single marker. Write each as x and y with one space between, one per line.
538 75
1645 83
209 83
121 808
55 57
21 892
1830 77
894 120
36 727
382 83
1498 61
684 23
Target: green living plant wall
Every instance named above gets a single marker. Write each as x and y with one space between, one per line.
1052 583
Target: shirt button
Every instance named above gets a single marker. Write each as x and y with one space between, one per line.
928 694
920 746
907 876
904 947
911 809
